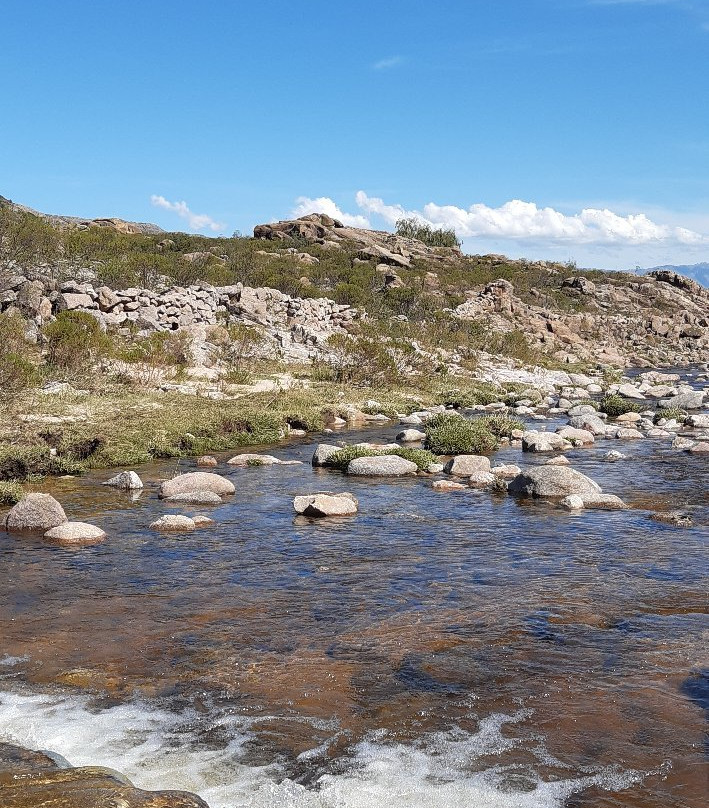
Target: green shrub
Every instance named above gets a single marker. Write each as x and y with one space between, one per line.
432 236
421 457
25 463
75 341
614 405
500 425
449 434
10 492
482 393
669 413
342 458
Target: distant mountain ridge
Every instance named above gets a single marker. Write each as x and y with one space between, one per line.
698 272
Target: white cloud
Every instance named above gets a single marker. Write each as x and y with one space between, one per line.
525 221
323 204
386 64
196 221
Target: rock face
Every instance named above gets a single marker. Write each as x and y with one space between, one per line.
552 482
196 481
326 504
76 534
34 780
35 512
382 466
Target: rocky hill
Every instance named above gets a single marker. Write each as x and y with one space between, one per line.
697 272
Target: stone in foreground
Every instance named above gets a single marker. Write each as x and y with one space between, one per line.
34 780
35 512
325 504
126 481
604 502
382 466
196 481
173 522
467 465
76 533
552 482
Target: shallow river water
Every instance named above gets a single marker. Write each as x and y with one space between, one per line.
450 650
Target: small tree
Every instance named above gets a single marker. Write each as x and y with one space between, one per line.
75 341
431 236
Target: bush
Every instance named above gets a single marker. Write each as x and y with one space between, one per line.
151 356
431 236
500 425
10 492
342 458
17 372
360 360
614 405
450 434
75 341
669 413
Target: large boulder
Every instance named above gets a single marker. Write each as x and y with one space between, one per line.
196 481
173 522
577 436
590 423
322 452
75 534
35 512
381 466
552 482
693 400
326 504
467 465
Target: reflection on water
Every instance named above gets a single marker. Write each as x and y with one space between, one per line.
437 649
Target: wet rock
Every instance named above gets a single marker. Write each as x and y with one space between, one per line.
326 504
382 466
552 482
676 518
207 461
322 452
202 521
196 498
576 436
699 448
35 512
175 522
628 434
614 455
249 459
481 479
698 421
589 422
196 481
125 481
543 442
467 465
34 780
682 443
75 533
559 460
629 417
411 435
435 468
448 485
605 502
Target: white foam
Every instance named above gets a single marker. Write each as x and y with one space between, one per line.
154 749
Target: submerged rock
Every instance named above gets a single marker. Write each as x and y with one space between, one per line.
35 512
76 533
173 522
207 461
448 485
552 482
326 504
250 459
125 481
196 498
606 502
196 481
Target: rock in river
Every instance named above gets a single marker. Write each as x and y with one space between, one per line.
173 522
326 504
382 466
552 482
322 452
35 512
467 465
196 498
126 481
75 533
196 481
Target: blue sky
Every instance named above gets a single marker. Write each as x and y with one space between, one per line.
566 129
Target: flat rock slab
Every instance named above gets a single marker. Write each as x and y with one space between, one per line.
76 533
381 466
326 504
685 401
35 512
196 481
605 502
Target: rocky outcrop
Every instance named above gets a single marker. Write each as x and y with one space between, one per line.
35 780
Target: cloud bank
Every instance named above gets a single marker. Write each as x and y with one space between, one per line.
517 221
195 221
